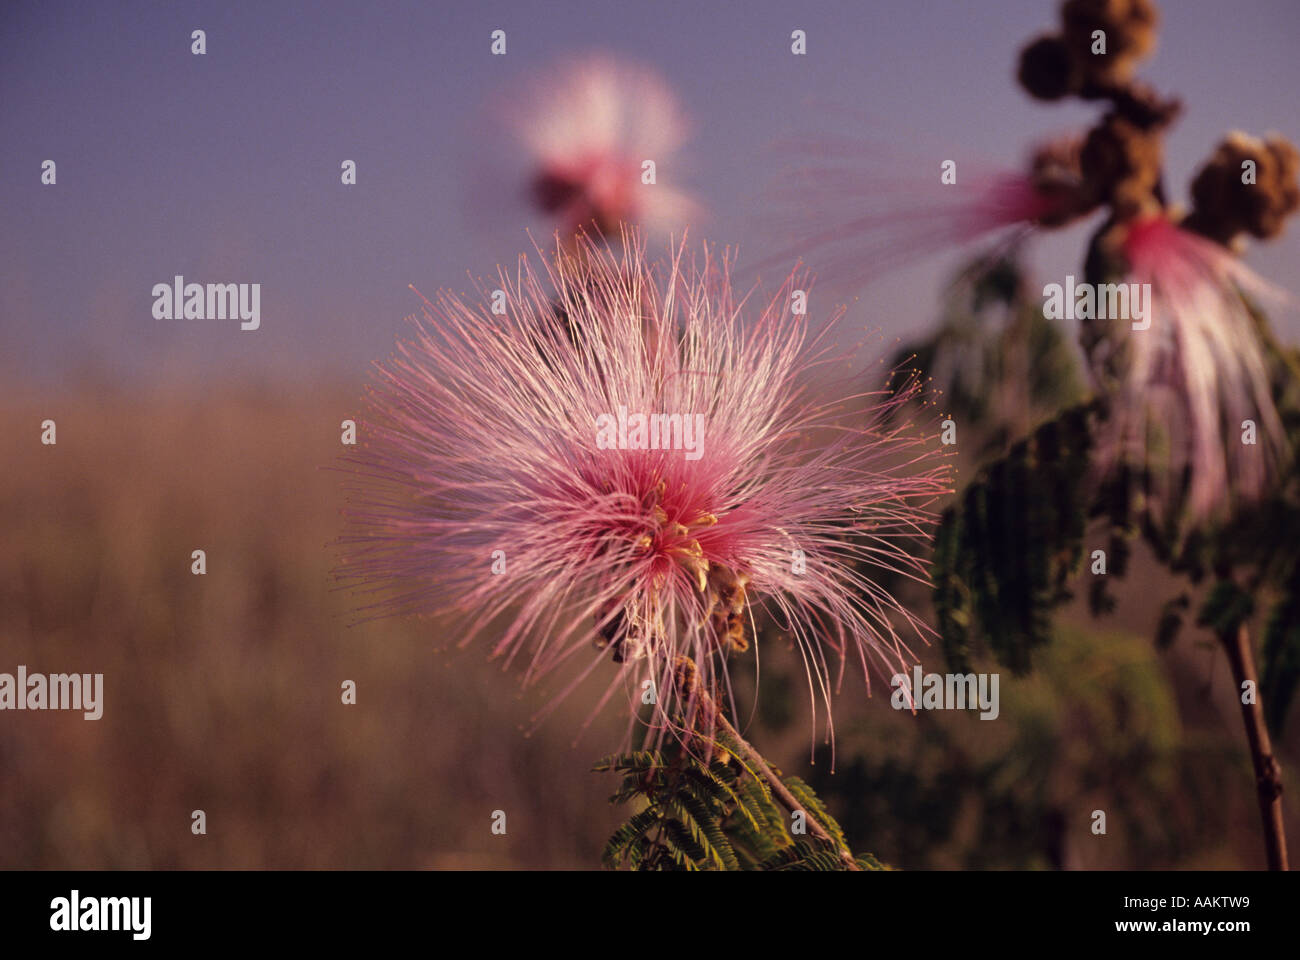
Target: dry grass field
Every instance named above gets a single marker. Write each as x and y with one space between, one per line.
222 691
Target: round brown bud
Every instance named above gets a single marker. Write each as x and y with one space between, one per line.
1130 30
685 675
1226 205
1045 68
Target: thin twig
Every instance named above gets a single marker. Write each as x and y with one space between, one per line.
1268 773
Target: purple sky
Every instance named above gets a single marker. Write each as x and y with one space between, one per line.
225 167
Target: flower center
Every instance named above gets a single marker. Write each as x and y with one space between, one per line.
638 624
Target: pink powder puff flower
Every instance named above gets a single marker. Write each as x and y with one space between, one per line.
857 210
589 127
507 480
1198 372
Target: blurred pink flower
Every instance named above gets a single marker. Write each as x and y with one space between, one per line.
1198 371
589 126
497 484
855 210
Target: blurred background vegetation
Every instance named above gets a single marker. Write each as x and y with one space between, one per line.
222 692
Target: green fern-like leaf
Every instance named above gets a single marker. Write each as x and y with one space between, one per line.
814 806
714 816
806 854
1004 554
628 834
1280 667
1226 608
